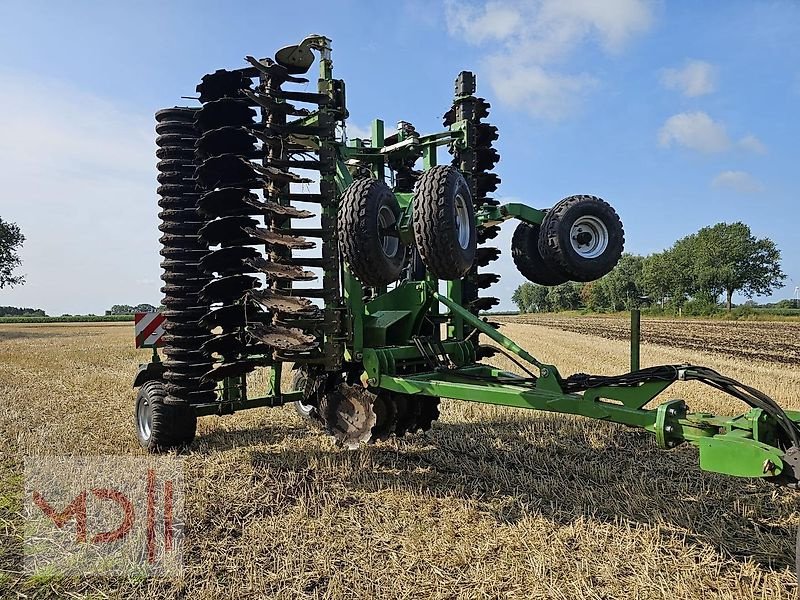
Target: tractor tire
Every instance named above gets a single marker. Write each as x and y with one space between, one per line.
582 236
444 222
367 210
528 260
162 427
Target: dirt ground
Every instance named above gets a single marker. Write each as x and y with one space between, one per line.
773 341
491 503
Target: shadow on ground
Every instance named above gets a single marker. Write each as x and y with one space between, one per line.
561 469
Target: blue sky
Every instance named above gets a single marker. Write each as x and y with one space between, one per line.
681 114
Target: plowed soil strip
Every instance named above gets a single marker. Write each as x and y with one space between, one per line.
769 341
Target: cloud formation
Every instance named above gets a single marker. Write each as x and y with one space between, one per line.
738 181
696 131
535 36
695 78
752 144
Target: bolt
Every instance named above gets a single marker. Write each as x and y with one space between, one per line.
769 466
671 443
372 381
672 412
545 372
669 429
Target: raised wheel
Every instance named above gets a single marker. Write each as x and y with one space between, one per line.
444 222
162 427
582 236
368 218
528 260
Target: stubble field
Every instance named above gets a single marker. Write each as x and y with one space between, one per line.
491 503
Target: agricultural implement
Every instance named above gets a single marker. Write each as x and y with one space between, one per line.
357 268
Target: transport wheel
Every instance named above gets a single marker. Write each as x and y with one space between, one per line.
307 411
582 236
444 222
368 219
528 260
162 427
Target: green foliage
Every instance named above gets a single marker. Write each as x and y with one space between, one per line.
699 307
531 297
623 287
11 240
689 277
127 309
68 319
566 296
13 311
728 258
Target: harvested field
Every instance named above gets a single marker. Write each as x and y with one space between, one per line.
772 341
492 503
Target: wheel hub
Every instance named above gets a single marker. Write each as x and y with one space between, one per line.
589 237
144 419
387 225
462 221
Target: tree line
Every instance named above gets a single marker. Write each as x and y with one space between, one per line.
694 273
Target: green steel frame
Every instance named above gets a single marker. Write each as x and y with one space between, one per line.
378 333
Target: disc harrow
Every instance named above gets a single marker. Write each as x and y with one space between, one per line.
363 263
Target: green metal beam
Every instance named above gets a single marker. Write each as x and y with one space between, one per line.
485 328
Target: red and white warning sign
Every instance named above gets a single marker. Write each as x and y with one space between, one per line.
149 327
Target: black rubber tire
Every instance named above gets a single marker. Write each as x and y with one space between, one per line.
171 426
528 260
554 238
359 232
434 219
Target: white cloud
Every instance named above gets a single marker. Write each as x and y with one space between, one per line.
356 131
739 181
533 88
495 21
695 78
694 130
534 35
79 178
752 144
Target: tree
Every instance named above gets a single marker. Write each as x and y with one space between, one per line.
539 298
121 309
623 285
522 297
530 297
566 296
11 240
728 258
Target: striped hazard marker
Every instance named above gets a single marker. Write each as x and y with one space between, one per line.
149 327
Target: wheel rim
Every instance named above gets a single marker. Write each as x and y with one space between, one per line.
304 408
386 222
463 222
589 237
144 418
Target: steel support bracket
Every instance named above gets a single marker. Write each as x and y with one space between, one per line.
667 427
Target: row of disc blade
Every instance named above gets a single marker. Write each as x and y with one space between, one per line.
477 163
181 248
245 167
